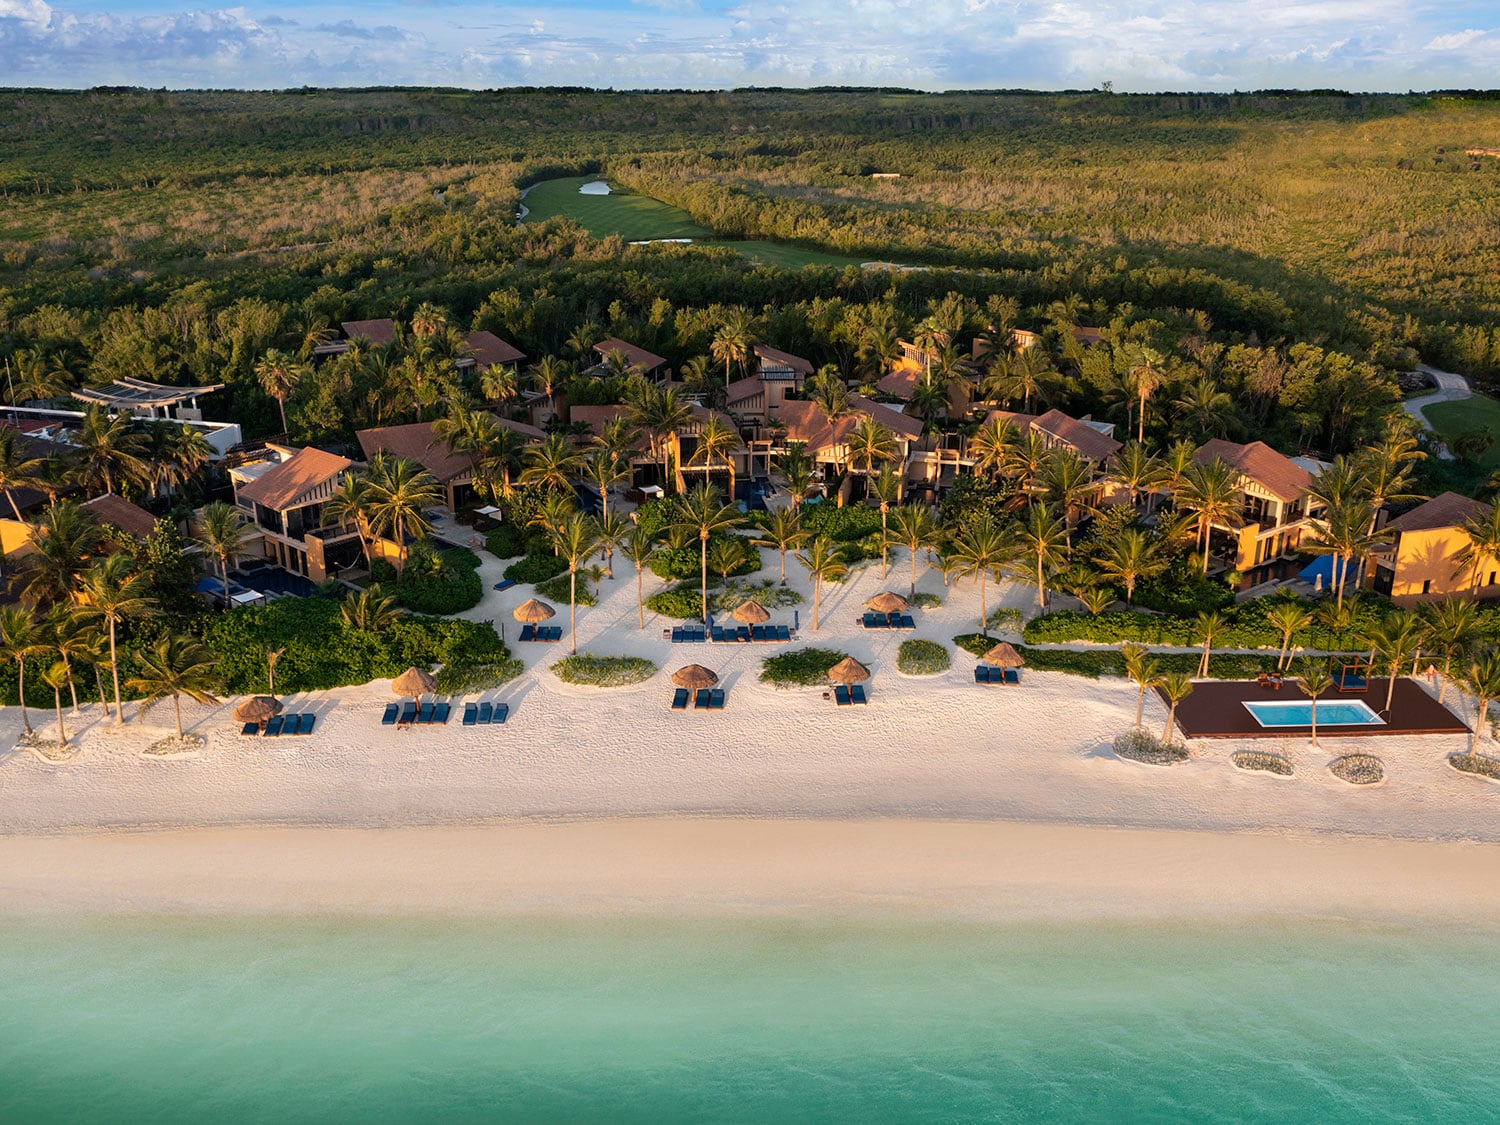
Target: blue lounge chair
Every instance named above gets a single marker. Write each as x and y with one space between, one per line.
841 695
485 709
857 694
471 714
505 584
309 720
1009 675
424 714
250 728
408 715
783 632
391 711
528 632
718 635
744 634
554 634
716 699
869 621
273 727
981 673
677 636
441 712
703 700
502 712
903 621
679 699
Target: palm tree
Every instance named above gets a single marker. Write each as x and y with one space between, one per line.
552 513
827 389
106 449
549 374
1043 537
399 492
1130 557
17 470
1211 492
1145 670
1209 625
980 548
109 592
604 468
69 638
733 341
1145 378
553 463
1289 618
916 529
55 677
370 611
1020 376
279 374
726 556
638 547
176 666
1095 599
223 533
1027 458
716 441
1314 681
429 320
350 504
1069 483
1483 532
1346 535
1483 679
661 413
1136 469
498 383
990 448
612 532
21 640
887 490
39 376
1387 469
577 541
868 443
1203 409
1452 630
782 530
823 565
700 510
797 471
1176 686
1395 639
62 541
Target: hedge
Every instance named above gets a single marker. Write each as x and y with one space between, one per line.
505 541
1245 626
842 525
1110 662
682 602
803 667
687 561
603 671
536 568
559 589
445 582
922 658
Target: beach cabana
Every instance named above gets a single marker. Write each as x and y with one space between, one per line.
696 681
887 602
533 612
847 675
415 682
888 611
752 613
999 665
256 710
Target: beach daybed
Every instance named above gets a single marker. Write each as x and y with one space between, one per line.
487 714
273 726
440 713
716 699
250 728
505 584
408 715
688 634
471 714
841 694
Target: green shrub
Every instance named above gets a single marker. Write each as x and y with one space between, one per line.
1110 662
1183 591
558 589
440 582
603 671
466 679
843 525
926 601
1007 619
383 571
766 592
687 561
803 667
1266 763
682 602
922 658
506 541
1139 746
1477 764
653 516
536 568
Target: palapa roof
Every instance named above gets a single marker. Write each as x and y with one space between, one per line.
1446 509
488 349
848 671
281 486
887 602
639 357
769 355
1005 655
695 677
119 512
128 394
378 332
752 613
257 709
1275 472
414 681
532 610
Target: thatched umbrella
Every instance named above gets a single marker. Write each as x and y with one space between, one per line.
695 677
1005 655
887 602
752 613
848 671
415 682
531 611
257 709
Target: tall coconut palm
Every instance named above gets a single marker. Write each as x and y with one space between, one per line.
1483 679
1288 618
549 375
1483 532
553 463
661 414
886 488
21 640
63 540
1345 534
796 470
279 375
55 677
717 440
1145 670
702 511
577 542
1027 459
498 383
726 555
400 492
1129 557
106 451
176 666
638 547
782 530
552 513
1208 626
350 504
1043 538
611 531
1145 378
869 443
980 548
370 611
428 320
823 565
916 529
1202 408
733 340
1176 686
1388 469
70 639
1211 492
223 534
17 468
1137 470
1023 375
1314 681
110 591
1452 631
1394 640
604 468
990 447
39 376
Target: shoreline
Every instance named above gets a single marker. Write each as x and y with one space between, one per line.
687 868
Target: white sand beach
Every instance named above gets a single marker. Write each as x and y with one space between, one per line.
938 747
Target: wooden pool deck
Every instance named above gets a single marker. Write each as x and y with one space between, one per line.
1216 709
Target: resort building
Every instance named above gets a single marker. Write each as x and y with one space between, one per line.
1274 505
282 495
779 376
649 364
119 513
417 442
379 333
147 402
1091 440
825 442
487 350
1423 559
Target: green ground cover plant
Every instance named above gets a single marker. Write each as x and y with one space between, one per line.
603 671
803 667
917 657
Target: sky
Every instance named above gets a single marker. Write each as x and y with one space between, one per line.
632 44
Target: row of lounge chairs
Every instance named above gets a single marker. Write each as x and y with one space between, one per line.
705 699
990 674
484 714
845 694
408 714
283 724
547 634
889 621
747 633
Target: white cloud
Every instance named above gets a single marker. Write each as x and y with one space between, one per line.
1455 40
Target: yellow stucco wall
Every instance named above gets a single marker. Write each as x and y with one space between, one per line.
1432 557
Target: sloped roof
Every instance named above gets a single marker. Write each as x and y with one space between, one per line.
379 332
119 512
416 441
902 425
1447 509
1275 472
640 357
595 417
1022 422
806 422
1084 439
768 354
900 383
489 349
280 487
742 390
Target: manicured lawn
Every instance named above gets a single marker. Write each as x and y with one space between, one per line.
1450 419
788 257
633 217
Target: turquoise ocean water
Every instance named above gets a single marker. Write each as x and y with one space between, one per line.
231 1020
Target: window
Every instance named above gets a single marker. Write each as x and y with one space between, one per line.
1427 585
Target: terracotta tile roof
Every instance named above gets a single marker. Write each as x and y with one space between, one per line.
489 349
1275 472
379 332
742 390
280 487
806 422
900 383
1447 509
119 512
416 442
640 357
1022 422
768 354
902 425
1080 436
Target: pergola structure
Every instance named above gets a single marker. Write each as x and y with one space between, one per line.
137 394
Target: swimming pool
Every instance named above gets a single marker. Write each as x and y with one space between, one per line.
1333 713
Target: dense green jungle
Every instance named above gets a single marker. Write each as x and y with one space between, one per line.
1293 251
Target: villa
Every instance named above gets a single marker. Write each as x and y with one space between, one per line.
1422 560
1274 504
416 441
487 350
648 363
282 495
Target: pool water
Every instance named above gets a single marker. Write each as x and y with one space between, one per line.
1330 713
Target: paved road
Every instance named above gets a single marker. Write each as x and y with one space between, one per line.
1450 388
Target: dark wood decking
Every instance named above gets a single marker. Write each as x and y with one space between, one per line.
1216 709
